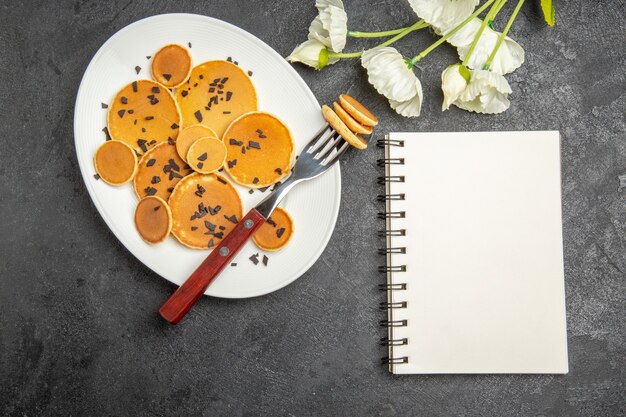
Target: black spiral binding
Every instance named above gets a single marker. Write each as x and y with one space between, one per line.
387 251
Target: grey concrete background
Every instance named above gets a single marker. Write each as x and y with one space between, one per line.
79 333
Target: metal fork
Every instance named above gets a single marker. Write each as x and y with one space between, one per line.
321 153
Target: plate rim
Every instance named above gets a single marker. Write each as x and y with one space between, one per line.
254 39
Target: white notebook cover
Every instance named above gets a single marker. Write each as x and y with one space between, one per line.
484 253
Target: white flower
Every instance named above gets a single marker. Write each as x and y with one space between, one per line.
331 25
390 75
454 80
312 53
509 57
487 92
443 14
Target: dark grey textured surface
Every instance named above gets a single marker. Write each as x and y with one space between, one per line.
79 334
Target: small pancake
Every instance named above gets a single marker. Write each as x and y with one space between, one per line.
189 135
205 208
206 155
153 219
144 114
260 150
357 110
115 162
275 232
336 123
216 93
159 171
171 65
350 121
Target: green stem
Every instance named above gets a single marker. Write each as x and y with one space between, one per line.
441 40
480 31
356 34
416 26
498 8
503 34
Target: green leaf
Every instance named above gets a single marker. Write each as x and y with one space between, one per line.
548 11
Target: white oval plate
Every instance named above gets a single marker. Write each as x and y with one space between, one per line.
314 205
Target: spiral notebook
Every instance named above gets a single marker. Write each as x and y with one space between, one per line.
474 253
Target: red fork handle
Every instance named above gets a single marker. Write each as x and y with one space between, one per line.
187 294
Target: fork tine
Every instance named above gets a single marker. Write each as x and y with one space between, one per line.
331 159
330 147
318 139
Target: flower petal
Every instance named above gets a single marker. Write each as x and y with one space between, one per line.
509 57
452 84
334 21
308 53
389 74
487 92
443 14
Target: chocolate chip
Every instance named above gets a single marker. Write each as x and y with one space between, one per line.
232 219
279 232
171 141
198 115
210 226
189 43
156 90
174 165
235 142
254 144
226 112
149 117
134 86
202 157
184 93
271 222
229 59
232 163
200 165
104 105
150 162
229 94
107 135
250 191
254 258
170 189
222 180
278 171
222 228
211 243
174 126
233 264
142 144
255 180
250 73
150 191
265 260
148 56
215 210
131 111
156 179
263 189
138 69
124 100
194 228
157 208
167 76
143 130
121 113
96 176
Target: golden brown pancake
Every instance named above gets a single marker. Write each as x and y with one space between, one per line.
275 232
350 121
260 150
189 135
206 155
216 93
171 65
144 114
336 123
115 162
153 219
357 110
159 171
205 208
